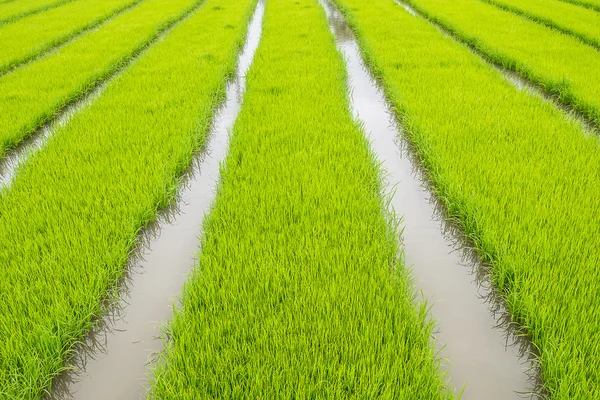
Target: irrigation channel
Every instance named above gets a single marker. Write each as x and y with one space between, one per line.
116 361
479 353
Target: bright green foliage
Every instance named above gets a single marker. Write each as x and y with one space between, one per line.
299 292
32 95
24 40
15 10
71 217
582 23
591 4
522 180
564 66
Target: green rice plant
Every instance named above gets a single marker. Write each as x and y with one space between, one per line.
521 179
32 95
24 40
10 12
563 66
582 23
70 220
591 4
299 291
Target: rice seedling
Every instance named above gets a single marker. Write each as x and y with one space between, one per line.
591 4
24 40
582 23
520 178
10 12
563 66
70 219
32 95
299 291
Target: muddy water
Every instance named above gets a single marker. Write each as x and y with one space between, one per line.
120 366
467 334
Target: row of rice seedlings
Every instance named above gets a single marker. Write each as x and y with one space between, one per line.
582 23
299 291
520 178
24 40
70 220
10 12
591 4
32 95
562 65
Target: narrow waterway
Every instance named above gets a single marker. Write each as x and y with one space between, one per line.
117 361
473 348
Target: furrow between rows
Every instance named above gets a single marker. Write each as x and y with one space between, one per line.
518 178
591 4
466 334
71 219
117 357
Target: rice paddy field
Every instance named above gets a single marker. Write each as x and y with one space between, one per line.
200 186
